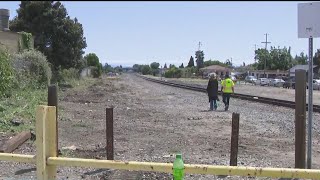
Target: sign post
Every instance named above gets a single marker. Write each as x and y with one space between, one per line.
309 27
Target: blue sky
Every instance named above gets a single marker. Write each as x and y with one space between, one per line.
168 32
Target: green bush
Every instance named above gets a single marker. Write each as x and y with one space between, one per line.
173 73
95 71
6 72
31 69
70 74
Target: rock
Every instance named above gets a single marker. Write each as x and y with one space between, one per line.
167 156
73 148
16 122
128 108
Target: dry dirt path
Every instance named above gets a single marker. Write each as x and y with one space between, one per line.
153 121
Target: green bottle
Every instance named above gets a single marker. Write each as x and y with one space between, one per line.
178 168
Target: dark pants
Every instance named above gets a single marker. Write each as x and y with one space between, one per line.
213 103
226 98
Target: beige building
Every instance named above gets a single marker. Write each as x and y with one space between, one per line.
219 70
9 40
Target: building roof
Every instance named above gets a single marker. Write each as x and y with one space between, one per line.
299 66
216 67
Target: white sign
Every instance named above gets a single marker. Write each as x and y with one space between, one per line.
309 20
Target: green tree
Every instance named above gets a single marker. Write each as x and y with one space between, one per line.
316 58
200 59
228 63
6 73
92 59
191 62
173 72
182 66
56 35
155 65
301 59
107 68
165 66
275 59
136 68
214 62
154 68
146 69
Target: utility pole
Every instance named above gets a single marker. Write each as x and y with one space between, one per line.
255 54
200 44
265 60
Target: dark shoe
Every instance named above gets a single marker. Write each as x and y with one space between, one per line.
226 108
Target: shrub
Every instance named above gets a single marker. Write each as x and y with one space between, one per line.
6 72
173 73
95 72
31 69
70 74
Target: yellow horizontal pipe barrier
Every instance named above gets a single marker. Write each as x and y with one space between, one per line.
110 164
189 168
17 158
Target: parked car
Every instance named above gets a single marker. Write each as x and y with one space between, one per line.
316 84
289 83
262 81
277 83
250 79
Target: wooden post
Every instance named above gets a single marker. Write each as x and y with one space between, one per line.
234 139
53 101
45 141
109 133
300 118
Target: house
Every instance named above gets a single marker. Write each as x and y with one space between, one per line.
219 70
304 67
8 39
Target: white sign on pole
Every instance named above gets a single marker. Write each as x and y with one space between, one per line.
309 20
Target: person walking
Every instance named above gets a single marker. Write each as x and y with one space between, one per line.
212 90
227 88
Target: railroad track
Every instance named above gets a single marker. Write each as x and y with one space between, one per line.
278 102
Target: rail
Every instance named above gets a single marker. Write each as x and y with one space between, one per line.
265 100
46 159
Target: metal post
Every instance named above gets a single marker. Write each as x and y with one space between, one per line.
300 118
109 133
310 104
53 101
234 140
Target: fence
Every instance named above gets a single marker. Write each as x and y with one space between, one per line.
46 159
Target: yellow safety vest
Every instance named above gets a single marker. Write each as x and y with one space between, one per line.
227 85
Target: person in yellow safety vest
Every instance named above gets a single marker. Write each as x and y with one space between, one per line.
227 88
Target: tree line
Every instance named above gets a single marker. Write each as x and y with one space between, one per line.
58 36
281 58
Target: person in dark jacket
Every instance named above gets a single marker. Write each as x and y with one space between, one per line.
212 90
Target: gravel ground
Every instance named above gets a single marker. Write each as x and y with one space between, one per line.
263 91
153 121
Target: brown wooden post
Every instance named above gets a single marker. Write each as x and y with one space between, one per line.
234 139
300 118
109 133
53 101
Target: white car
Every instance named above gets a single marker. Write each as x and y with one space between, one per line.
250 79
316 84
276 82
262 81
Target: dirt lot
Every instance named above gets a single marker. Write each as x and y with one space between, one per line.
257 90
153 121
